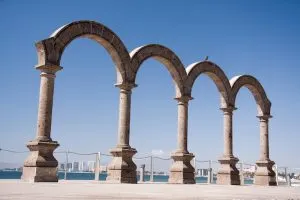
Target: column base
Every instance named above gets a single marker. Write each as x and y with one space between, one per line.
264 174
122 169
182 172
39 174
40 165
228 174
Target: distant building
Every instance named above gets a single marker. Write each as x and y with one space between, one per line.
91 166
75 167
202 172
62 167
83 167
69 167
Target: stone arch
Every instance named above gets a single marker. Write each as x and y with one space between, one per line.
215 73
257 90
165 56
50 50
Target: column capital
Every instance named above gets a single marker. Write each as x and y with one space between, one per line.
183 99
49 68
228 109
264 117
126 86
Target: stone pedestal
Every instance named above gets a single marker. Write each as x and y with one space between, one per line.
264 174
228 174
122 169
40 165
182 172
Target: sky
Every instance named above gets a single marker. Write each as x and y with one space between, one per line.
259 38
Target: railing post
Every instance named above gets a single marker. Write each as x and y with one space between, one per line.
97 167
66 164
209 177
195 167
289 181
276 171
286 176
142 173
151 168
242 173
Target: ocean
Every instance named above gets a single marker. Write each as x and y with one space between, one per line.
102 177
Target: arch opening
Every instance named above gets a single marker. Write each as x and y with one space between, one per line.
216 74
256 89
84 120
154 116
166 57
205 120
50 50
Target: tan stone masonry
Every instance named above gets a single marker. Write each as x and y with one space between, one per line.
41 166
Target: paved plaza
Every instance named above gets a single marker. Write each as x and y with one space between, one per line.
15 189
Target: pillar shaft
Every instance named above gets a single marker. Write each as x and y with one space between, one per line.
182 172
264 138
46 101
182 125
264 174
122 169
124 117
228 150
228 174
45 107
40 165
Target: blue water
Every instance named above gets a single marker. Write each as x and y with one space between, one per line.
102 177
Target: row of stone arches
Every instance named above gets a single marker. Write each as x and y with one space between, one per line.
41 165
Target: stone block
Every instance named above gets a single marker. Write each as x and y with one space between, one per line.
228 174
264 174
122 169
40 165
182 172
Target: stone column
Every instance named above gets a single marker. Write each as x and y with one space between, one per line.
182 172
264 174
228 174
122 169
40 165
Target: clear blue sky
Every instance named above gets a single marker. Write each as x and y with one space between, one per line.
260 38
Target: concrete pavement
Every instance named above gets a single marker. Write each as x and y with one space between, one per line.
18 190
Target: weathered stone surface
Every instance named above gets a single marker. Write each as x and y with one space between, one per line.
214 72
40 174
262 101
122 169
182 172
51 49
228 174
164 55
264 174
40 165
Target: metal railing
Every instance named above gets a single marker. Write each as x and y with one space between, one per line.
203 168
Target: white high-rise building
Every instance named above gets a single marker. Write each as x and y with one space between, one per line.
83 167
91 166
75 166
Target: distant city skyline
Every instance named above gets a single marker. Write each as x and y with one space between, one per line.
256 38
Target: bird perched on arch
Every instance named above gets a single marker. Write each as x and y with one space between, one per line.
206 58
